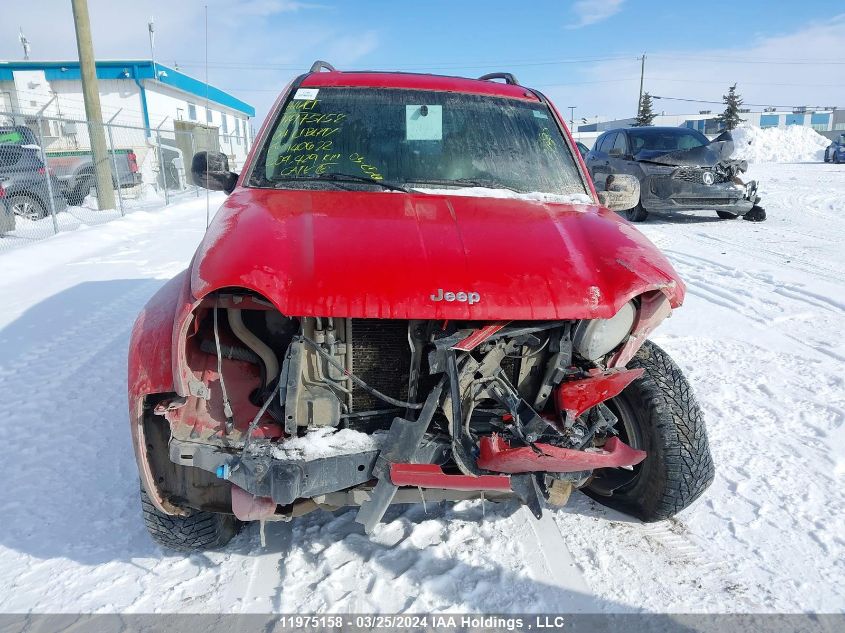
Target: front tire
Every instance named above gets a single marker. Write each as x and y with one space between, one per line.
657 413
197 532
756 214
637 214
27 207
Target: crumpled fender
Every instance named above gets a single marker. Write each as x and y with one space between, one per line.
152 366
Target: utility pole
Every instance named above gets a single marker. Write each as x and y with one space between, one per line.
642 73
24 43
93 112
572 119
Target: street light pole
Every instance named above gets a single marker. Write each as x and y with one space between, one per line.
642 74
93 112
572 118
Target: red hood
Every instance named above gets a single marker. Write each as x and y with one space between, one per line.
384 255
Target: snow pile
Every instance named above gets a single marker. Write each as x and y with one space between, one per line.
791 144
326 442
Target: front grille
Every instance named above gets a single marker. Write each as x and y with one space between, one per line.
381 357
695 175
717 202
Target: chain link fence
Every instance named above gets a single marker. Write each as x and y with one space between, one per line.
48 177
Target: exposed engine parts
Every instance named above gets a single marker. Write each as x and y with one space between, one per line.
510 406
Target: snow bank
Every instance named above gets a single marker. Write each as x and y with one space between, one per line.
791 144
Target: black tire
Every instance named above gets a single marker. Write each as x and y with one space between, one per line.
636 214
197 532
27 206
725 215
82 189
657 413
756 214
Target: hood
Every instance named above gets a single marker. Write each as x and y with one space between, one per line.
370 254
714 152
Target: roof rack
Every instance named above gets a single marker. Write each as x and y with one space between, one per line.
320 65
508 77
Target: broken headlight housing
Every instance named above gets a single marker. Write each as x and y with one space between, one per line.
594 338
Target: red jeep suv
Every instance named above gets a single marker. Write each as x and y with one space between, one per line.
413 293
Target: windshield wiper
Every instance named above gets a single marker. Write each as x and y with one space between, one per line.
470 182
338 177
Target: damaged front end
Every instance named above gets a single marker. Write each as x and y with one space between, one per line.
699 177
283 415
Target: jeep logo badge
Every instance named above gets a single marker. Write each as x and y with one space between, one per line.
461 297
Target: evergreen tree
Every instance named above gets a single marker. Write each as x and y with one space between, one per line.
729 119
646 114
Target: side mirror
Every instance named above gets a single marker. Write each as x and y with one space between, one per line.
621 192
210 170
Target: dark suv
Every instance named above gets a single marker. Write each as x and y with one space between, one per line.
678 169
23 183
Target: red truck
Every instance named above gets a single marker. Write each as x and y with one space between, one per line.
413 292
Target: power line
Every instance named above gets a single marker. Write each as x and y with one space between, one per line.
753 105
249 65
741 60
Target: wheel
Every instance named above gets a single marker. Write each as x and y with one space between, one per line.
657 413
756 214
27 206
82 189
725 215
199 531
637 214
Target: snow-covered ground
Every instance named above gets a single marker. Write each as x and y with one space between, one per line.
760 338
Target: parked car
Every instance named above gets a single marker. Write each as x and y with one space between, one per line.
75 168
412 293
678 169
24 190
835 152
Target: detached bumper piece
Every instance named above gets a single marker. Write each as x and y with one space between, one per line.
498 456
432 476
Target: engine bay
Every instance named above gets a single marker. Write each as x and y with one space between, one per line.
521 407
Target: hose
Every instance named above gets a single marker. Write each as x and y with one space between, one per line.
271 363
230 352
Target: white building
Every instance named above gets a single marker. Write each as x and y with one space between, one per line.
144 100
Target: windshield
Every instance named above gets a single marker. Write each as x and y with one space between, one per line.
415 138
665 139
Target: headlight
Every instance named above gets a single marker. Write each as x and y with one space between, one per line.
652 169
596 337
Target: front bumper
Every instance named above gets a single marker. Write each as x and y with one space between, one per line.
665 193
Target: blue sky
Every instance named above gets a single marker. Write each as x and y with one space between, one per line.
580 53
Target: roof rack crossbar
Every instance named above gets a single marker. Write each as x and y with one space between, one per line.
508 77
320 65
